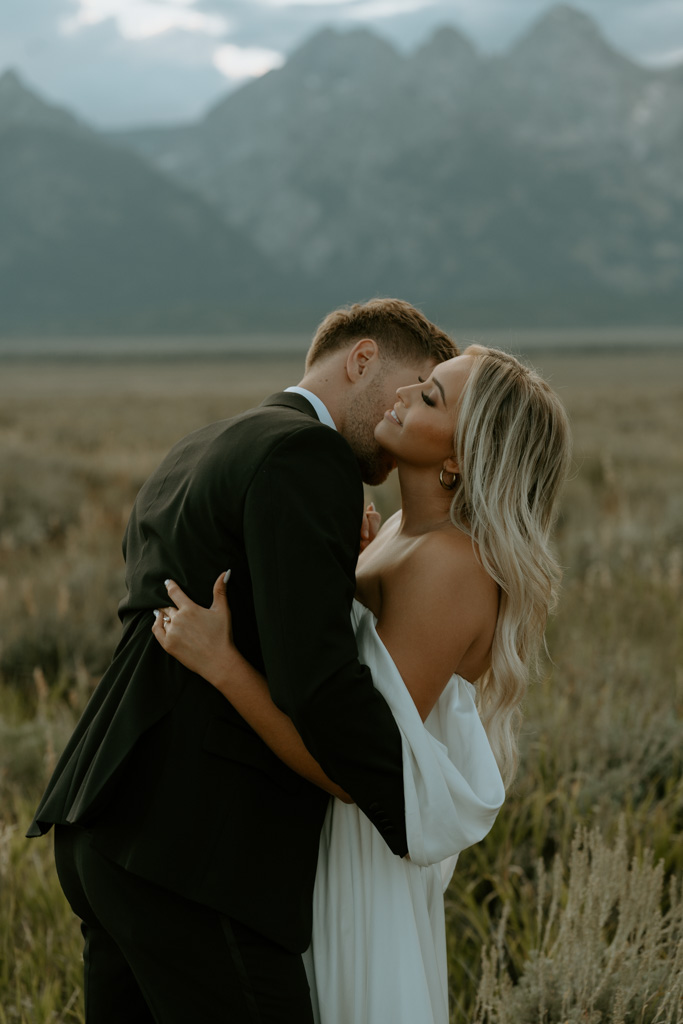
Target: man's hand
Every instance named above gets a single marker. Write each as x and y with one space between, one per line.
370 526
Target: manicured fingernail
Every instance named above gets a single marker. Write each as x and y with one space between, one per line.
371 506
156 613
227 576
166 582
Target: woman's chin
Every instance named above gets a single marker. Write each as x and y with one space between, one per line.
385 433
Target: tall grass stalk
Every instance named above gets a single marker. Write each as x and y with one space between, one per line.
608 948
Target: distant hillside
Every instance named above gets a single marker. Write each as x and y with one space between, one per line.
540 186
543 186
94 239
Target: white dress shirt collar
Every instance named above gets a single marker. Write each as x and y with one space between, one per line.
321 409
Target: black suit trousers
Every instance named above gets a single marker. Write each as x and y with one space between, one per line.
180 961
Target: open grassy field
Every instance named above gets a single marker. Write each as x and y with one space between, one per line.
571 909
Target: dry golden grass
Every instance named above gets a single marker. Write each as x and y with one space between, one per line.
603 736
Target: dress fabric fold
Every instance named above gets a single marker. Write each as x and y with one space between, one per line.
378 952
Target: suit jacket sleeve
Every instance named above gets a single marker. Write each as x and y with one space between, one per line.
302 532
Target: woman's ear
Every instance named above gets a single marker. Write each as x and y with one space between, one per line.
451 466
362 355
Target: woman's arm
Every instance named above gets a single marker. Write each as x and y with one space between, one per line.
201 639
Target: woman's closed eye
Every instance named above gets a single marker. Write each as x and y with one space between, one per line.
425 398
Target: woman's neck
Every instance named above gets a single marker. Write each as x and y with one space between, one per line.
425 504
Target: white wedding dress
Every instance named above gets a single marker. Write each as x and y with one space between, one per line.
378 952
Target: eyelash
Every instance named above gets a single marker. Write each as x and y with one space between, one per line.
425 398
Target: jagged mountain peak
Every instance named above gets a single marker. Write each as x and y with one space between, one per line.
331 59
562 17
568 74
333 50
446 43
564 20
562 30
10 80
14 91
20 104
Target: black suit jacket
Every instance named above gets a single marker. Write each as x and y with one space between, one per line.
171 781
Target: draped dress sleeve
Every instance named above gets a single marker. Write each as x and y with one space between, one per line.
453 787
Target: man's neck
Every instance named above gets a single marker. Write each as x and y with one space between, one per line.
324 389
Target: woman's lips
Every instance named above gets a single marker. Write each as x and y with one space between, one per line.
390 414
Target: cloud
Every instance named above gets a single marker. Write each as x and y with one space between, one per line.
113 82
141 19
117 63
121 62
322 5
651 32
377 10
666 58
239 63
641 28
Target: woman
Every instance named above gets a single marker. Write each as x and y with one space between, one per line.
452 601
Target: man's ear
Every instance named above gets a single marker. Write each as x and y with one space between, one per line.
362 355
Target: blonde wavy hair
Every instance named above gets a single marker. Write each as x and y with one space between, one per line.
513 447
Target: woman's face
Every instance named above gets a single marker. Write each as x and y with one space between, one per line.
420 427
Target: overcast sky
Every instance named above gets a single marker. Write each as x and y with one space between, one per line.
129 62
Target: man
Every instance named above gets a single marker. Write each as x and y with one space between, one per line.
186 847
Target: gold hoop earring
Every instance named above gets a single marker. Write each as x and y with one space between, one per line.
451 485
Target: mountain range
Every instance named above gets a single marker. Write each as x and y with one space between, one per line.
93 239
542 186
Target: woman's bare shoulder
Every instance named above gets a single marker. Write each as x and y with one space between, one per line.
438 608
449 546
445 568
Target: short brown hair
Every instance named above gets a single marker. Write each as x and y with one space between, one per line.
400 330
